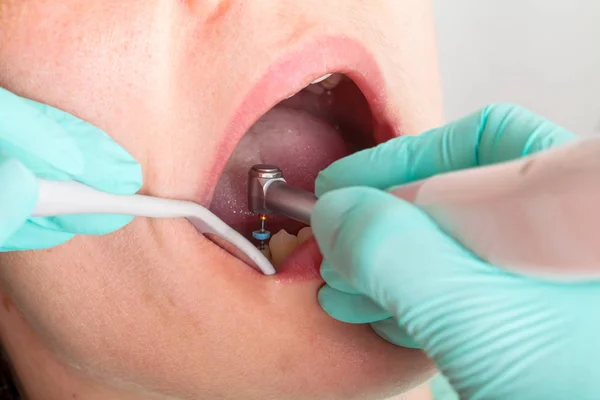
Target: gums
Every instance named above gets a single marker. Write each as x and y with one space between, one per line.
303 264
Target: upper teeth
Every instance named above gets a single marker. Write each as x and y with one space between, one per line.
332 81
321 78
326 82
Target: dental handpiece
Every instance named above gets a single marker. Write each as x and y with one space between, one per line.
269 193
536 215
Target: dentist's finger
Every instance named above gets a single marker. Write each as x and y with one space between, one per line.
494 134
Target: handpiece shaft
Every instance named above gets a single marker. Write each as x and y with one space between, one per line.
293 202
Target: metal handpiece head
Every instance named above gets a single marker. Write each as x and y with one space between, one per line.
260 177
268 192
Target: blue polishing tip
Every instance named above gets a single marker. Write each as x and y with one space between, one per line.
261 235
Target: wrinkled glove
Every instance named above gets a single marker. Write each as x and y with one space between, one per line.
494 334
40 141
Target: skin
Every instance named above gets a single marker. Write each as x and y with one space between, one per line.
153 311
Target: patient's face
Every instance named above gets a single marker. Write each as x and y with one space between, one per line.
155 307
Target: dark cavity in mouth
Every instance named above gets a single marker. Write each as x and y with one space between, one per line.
301 135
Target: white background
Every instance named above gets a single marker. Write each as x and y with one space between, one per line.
542 54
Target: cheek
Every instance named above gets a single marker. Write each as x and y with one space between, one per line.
106 62
72 46
210 11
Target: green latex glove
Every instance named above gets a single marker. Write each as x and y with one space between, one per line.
493 334
40 141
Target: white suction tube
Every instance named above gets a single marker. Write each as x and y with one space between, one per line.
63 198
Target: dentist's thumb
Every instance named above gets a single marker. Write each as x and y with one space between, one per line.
494 334
391 253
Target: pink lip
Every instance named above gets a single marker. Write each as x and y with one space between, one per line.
303 264
288 76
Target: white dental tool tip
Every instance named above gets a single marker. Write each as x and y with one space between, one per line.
67 198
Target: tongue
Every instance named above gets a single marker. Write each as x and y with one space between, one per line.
293 140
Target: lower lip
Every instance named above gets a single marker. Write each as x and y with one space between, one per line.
304 264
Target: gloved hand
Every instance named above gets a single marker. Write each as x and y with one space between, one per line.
38 140
495 335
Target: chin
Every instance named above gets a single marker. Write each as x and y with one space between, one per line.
320 358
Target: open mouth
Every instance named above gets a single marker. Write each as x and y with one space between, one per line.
302 135
328 119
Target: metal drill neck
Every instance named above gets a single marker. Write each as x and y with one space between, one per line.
265 171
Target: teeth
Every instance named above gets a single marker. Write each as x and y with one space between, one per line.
321 79
323 84
316 89
332 81
281 245
304 234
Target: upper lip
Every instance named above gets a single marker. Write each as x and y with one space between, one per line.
296 70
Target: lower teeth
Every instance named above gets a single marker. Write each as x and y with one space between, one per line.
282 244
